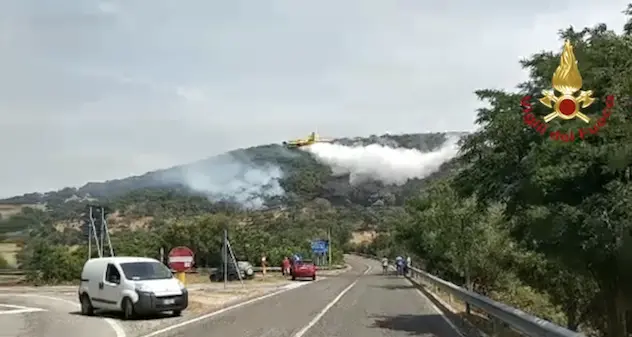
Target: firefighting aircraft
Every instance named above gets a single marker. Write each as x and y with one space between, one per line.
311 139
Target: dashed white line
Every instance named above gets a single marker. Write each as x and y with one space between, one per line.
232 307
322 313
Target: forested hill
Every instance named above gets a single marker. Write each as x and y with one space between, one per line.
284 176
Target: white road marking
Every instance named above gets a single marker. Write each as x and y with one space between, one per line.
14 306
289 287
435 308
118 329
322 313
18 309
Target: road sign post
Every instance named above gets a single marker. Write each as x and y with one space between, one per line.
328 247
320 247
181 259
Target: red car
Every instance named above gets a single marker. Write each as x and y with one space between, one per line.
303 269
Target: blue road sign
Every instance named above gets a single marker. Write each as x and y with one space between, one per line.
320 246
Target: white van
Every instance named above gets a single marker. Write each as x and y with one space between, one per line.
133 285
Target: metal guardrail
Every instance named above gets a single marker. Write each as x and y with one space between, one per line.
500 314
12 272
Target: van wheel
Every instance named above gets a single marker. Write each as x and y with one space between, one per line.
86 306
314 278
177 313
293 277
128 309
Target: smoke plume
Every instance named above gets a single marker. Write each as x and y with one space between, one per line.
231 179
382 163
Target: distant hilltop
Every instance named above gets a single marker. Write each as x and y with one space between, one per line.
262 172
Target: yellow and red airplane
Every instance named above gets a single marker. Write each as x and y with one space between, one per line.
311 139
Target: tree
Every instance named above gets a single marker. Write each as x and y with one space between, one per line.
566 201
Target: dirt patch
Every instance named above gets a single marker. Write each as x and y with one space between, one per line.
363 237
202 301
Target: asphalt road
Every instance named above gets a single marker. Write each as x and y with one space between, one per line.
39 315
361 302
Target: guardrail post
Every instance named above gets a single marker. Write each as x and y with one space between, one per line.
498 327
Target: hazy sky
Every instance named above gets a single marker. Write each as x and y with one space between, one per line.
95 90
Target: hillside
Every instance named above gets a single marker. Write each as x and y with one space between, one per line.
281 177
535 223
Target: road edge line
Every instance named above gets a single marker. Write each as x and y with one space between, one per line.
434 306
118 329
238 305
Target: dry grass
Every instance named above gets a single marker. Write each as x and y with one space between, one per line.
9 252
9 210
206 301
363 237
270 278
214 296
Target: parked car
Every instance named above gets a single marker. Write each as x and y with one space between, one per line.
132 285
303 269
245 269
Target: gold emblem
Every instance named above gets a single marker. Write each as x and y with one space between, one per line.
567 80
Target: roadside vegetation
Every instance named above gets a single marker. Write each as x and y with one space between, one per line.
540 224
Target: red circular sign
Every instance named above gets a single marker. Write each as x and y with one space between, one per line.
181 259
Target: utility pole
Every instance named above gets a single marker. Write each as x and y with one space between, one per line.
225 258
96 226
329 246
89 242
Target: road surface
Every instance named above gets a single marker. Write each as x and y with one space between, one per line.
31 315
361 302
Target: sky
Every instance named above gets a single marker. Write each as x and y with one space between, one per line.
96 90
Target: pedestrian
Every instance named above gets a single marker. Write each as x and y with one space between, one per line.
385 265
399 261
408 265
286 266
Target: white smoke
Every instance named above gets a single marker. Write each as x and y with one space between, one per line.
382 163
232 179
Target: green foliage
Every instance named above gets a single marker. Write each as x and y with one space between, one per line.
567 202
537 223
50 263
27 218
3 263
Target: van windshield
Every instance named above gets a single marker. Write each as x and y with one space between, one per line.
138 271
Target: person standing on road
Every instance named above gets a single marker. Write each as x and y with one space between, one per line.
399 261
408 265
384 265
286 266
